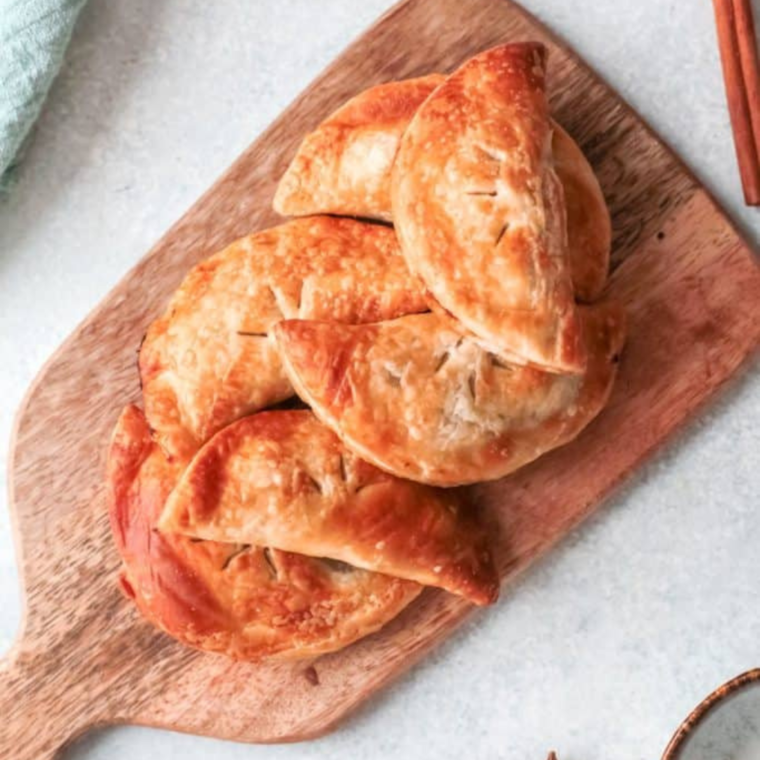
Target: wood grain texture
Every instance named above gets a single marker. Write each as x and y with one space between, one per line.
84 658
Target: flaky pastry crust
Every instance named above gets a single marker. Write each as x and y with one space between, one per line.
207 361
243 601
284 480
479 210
589 228
344 165
275 535
421 398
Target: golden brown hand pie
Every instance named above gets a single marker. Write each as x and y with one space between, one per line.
480 213
207 361
284 480
420 398
242 601
589 229
344 166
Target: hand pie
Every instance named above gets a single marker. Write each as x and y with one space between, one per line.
282 479
234 599
207 361
589 229
344 166
480 213
420 398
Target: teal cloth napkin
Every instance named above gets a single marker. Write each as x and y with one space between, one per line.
33 38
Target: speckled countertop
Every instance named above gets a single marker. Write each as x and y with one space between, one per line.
604 646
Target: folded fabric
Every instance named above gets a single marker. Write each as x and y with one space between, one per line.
33 38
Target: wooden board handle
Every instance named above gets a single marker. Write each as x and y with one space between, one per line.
41 707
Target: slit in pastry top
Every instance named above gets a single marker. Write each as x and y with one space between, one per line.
480 212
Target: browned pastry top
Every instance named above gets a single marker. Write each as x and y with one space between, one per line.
480 212
293 533
207 361
419 397
283 480
344 165
244 601
589 229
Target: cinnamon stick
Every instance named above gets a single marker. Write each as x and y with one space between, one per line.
736 39
745 32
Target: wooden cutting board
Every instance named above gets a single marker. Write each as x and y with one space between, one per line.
692 289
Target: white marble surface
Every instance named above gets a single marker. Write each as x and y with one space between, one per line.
602 648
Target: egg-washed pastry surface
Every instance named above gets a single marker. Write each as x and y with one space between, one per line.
589 228
283 480
480 212
451 355
243 601
207 361
344 167
420 398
